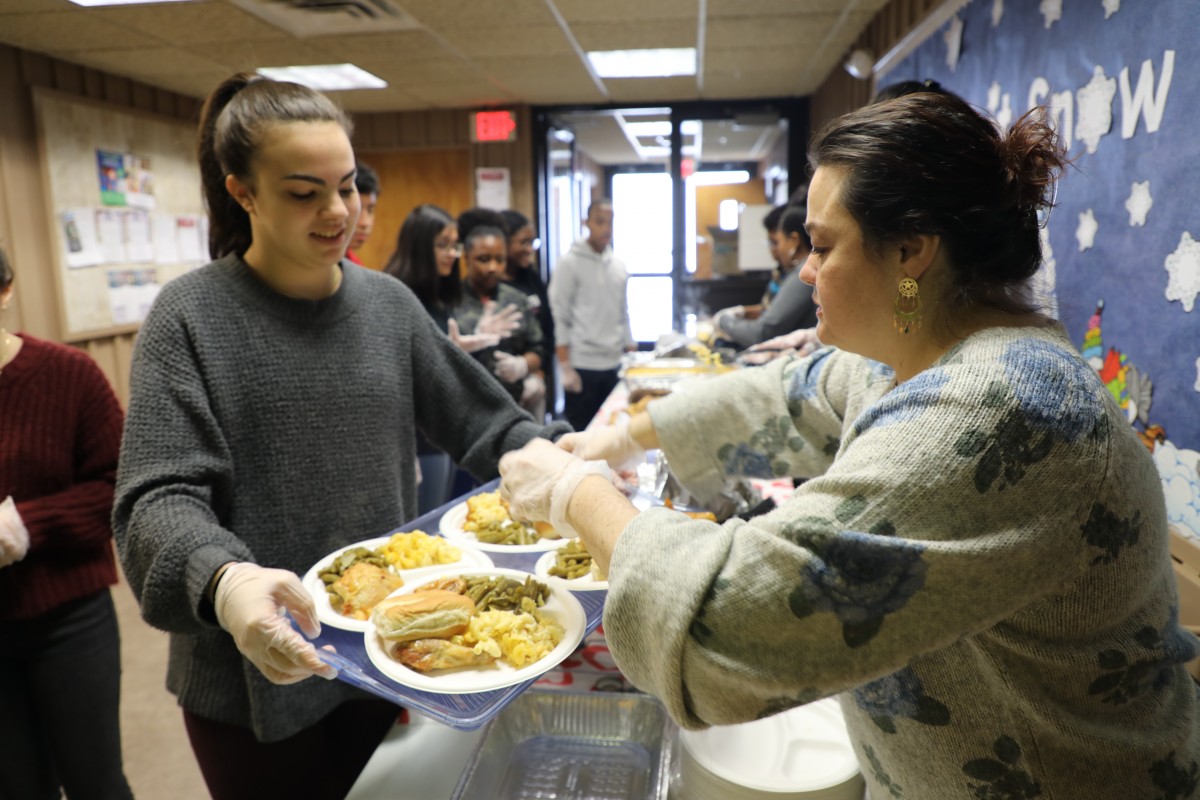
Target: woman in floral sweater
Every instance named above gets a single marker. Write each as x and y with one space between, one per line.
978 564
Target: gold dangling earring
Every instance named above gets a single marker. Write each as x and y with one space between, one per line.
908 306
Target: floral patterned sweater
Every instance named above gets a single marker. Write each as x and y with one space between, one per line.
978 566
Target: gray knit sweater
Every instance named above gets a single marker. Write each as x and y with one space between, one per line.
267 429
979 567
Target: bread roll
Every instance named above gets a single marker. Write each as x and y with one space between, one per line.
436 614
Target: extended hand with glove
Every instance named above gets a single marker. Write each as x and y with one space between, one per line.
510 368
613 444
538 480
250 602
14 537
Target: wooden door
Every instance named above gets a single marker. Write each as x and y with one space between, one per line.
408 178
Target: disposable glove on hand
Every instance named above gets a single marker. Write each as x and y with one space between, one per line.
799 343
611 443
510 368
571 382
533 388
539 479
733 312
14 537
473 342
250 601
500 321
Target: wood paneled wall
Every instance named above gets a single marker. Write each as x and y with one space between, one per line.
25 225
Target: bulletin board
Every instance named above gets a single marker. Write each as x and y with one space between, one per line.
125 207
1122 248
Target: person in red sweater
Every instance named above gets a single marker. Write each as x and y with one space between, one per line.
60 666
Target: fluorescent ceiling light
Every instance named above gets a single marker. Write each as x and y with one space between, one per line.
705 178
93 3
644 63
326 77
689 127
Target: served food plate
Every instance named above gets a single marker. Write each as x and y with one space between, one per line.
451 526
561 605
584 584
472 558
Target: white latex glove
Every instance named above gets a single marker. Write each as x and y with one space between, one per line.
471 342
733 312
14 537
571 382
611 443
500 321
250 601
510 368
799 342
533 388
538 480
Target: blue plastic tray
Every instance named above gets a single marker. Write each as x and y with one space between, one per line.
462 711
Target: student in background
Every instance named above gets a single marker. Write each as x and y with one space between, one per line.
60 650
275 398
366 181
591 317
793 307
522 274
426 260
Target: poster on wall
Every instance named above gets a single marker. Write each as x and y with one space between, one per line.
493 188
111 168
77 233
131 292
139 182
1121 248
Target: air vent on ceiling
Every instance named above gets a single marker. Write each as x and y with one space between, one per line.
306 18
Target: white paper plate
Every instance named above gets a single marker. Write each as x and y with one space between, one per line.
451 524
561 605
584 584
472 558
802 752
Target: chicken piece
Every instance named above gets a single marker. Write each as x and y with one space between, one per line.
360 589
426 655
456 585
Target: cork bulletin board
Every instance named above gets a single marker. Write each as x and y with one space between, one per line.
125 207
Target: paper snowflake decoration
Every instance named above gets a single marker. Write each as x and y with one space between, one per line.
1094 107
1085 233
1110 7
1183 267
1005 114
1197 386
953 39
993 99
997 12
1051 11
1138 203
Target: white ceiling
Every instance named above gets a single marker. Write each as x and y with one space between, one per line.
455 53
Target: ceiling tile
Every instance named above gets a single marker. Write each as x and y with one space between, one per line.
631 35
191 23
148 62
629 10
756 60
625 90
391 47
412 73
68 31
249 55
780 8
33 6
785 32
719 85
459 95
506 42
442 15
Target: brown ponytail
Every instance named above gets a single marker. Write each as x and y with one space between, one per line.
231 125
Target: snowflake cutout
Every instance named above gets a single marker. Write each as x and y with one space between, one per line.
1138 203
993 99
1085 234
1094 104
1197 386
1005 115
1110 7
997 12
953 39
1051 11
1183 266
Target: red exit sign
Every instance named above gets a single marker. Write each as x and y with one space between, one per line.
493 126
